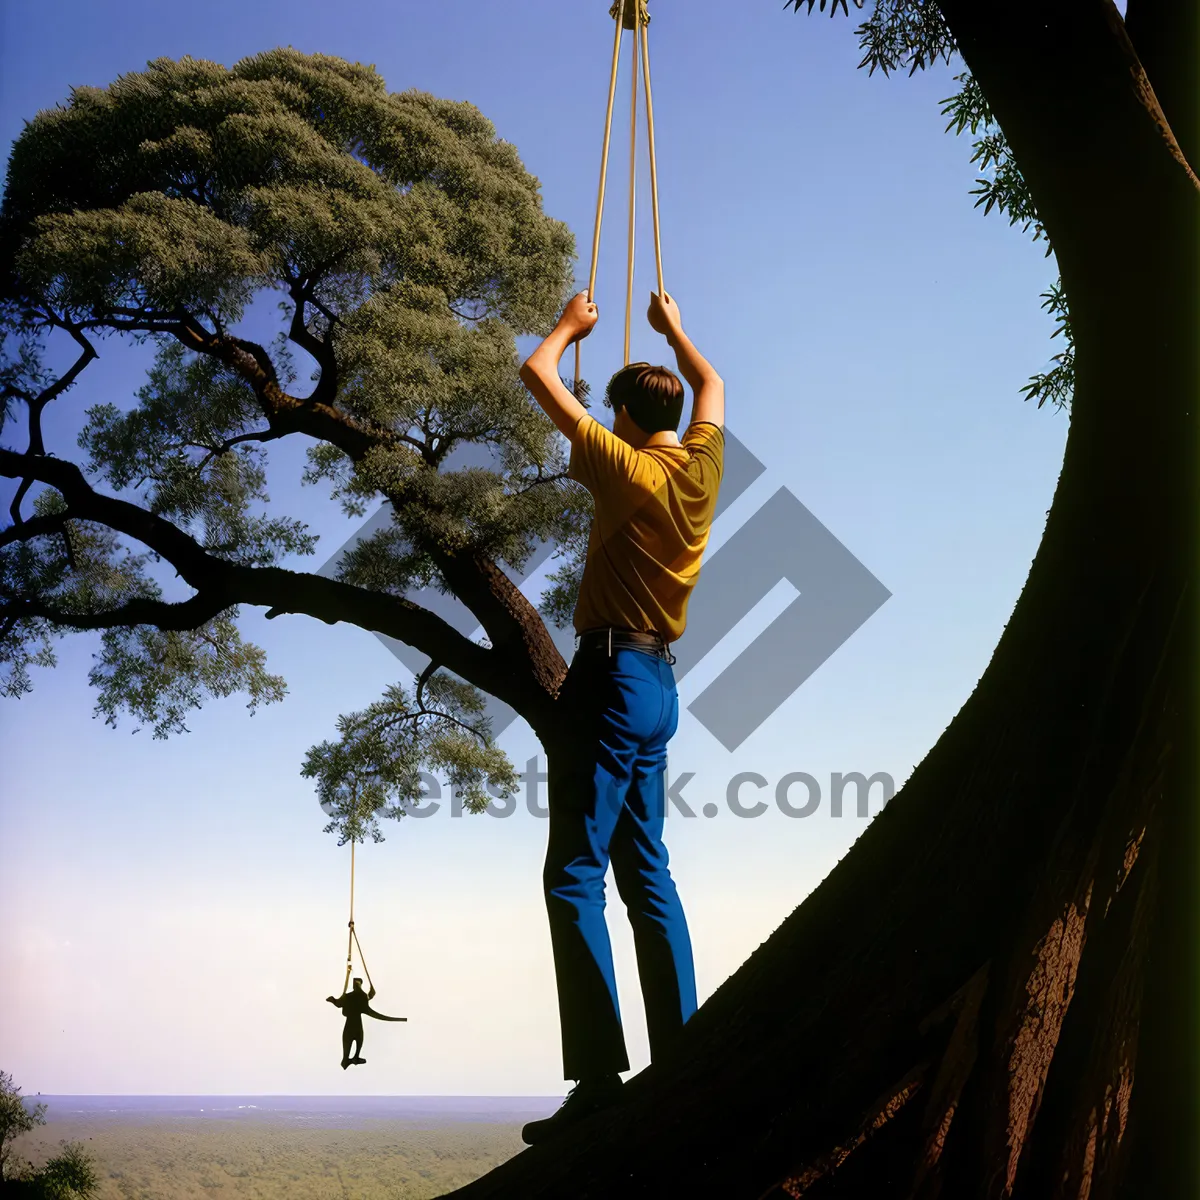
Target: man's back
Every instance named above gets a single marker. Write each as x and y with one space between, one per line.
653 510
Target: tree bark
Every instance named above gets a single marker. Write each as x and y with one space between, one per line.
995 993
1166 36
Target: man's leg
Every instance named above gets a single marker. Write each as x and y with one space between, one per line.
640 868
612 713
583 797
347 1042
616 704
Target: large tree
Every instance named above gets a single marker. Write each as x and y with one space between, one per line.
995 992
407 247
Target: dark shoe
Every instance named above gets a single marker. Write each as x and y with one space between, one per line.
345 1063
588 1096
358 1061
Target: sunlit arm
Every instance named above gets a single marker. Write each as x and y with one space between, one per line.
707 386
539 372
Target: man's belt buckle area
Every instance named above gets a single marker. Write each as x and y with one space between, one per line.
610 639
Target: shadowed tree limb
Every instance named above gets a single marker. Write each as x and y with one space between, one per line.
511 622
223 584
38 402
162 614
1166 36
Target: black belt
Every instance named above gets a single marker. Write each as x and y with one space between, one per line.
609 640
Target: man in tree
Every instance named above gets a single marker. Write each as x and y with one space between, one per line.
995 992
654 496
354 1004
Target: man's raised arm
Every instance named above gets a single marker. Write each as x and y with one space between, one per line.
707 386
539 372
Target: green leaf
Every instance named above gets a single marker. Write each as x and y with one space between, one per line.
374 770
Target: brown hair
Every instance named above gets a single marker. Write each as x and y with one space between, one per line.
652 396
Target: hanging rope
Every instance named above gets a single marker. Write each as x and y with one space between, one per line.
352 940
612 92
633 75
653 161
627 14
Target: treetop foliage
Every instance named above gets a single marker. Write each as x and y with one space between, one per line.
406 247
192 184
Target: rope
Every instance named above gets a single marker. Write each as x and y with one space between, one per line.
361 958
632 194
653 162
352 939
612 93
627 14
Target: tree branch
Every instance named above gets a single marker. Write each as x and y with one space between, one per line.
513 625
60 385
37 403
419 688
320 348
1065 85
34 527
414 717
266 435
1118 200
284 412
163 614
1166 36
222 584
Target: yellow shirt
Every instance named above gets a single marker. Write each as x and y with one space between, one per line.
653 508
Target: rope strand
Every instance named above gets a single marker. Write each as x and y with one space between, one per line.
362 959
653 161
612 94
633 15
350 938
633 104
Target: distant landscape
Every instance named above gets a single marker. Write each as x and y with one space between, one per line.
310 1148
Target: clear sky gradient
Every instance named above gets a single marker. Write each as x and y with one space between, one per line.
174 916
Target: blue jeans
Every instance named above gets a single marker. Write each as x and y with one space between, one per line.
607 803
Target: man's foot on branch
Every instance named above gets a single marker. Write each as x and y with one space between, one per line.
588 1096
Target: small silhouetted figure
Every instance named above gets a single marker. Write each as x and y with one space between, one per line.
354 1004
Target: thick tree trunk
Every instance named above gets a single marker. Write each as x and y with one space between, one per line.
995 993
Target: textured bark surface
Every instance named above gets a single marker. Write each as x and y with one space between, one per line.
994 994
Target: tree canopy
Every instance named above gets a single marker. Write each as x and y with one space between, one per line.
407 247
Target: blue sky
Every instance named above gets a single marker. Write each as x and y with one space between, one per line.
174 915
